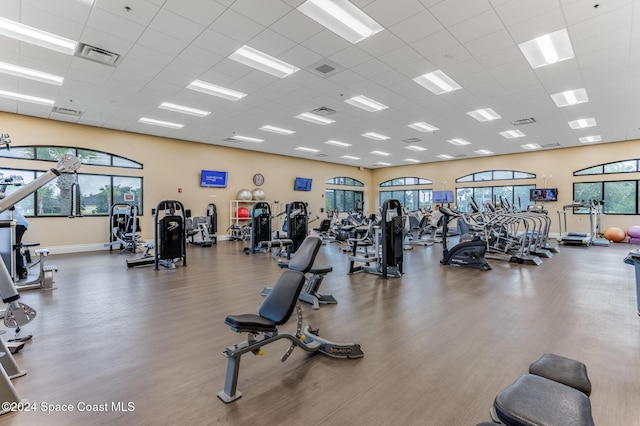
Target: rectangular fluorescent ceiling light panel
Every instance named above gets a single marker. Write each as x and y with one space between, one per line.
87 2
305 149
445 156
416 148
314 118
160 123
547 49
212 89
35 36
483 152
341 17
590 139
411 160
366 104
382 153
437 82
570 97
582 123
26 98
510 134
30 74
459 142
350 157
338 143
376 136
382 163
484 114
247 139
421 126
530 146
184 109
261 61
279 130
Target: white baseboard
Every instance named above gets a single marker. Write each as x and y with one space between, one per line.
80 248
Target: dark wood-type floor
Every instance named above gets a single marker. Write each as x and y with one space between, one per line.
439 342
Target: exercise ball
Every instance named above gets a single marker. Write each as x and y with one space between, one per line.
243 213
634 231
259 194
244 194
614 234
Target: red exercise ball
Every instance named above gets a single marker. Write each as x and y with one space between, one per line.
243 213
615 234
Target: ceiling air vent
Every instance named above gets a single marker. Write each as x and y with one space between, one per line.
96 54
460 155
551 145
322 155
412 140
230 140
66 111
323 111
523 121
325 68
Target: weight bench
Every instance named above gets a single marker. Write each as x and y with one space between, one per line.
555 392
262 329
303 262
277 247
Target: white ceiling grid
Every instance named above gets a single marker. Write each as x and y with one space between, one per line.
166 44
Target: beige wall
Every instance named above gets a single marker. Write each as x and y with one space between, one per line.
170 164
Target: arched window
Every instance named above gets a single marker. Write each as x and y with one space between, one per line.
343 200
624 166
406 181
342 180
489 175
86 156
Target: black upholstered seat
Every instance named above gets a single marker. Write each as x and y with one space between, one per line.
563 370
536 401
305 255
321 270
276 309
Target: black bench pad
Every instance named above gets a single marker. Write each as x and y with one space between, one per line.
250 322
563 370
321 270
535 401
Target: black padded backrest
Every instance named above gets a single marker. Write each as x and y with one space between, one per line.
279 303
305 255
325 225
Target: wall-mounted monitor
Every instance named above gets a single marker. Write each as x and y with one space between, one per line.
543 194
213 179
442 196
302 184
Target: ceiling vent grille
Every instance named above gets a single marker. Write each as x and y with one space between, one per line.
522 121
412 140
96 54
230 140
322 155
551 145
325 68
460 155
324 111
66 111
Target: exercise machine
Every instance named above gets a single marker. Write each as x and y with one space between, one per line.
204 227
468 252
388 235
18 314
44 279
125 229
262 329
633 258
169 237
296 223
576 238
260 227
303 262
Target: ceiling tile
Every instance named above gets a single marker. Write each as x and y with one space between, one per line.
203 12
416 27
236 26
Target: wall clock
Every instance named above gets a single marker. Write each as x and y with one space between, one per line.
258 179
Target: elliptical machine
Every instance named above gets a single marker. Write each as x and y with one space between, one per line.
469 252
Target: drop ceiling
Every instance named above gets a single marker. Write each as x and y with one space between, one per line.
164 45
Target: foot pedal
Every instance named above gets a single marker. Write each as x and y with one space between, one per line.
51 268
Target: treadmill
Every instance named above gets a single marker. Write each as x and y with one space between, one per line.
574 238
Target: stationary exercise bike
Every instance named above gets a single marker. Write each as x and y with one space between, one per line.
469 252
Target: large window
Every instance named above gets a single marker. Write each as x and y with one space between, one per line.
97 193
344 181
514 195
406 181
343 200
624 166
412 199
620 197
